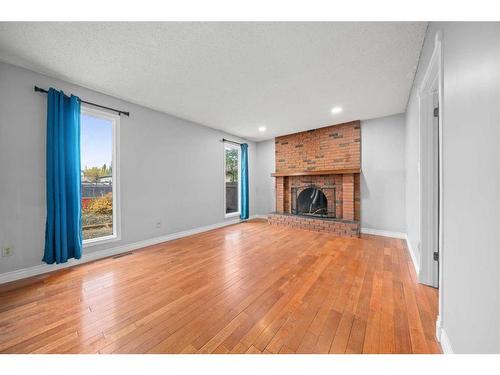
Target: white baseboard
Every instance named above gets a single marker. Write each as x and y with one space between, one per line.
45 268
258 217
438 328
443 338
416 265
445 343
384 233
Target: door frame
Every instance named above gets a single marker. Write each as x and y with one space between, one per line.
431 83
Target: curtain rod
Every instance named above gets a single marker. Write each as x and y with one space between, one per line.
38 89
227 140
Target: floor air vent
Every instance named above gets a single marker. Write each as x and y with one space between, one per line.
122 255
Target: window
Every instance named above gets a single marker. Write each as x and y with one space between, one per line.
98 158
231 179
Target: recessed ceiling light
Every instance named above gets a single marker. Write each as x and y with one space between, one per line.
262 128
336 110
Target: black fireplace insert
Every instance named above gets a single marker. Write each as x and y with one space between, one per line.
313 201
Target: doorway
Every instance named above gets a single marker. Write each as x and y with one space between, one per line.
430 171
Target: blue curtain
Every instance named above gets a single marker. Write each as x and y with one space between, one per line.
244 182
63 228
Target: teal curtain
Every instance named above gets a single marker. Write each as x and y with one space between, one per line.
63 228
244 183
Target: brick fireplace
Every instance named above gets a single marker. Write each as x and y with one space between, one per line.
317 180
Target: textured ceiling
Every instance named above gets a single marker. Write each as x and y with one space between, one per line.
232 76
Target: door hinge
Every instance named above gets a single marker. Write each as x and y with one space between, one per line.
436 112
436 256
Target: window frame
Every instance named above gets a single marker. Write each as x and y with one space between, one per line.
115 123
238 148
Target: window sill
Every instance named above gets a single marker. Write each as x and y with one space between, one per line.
100 240
232 214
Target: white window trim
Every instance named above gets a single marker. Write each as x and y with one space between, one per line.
238 148
115 121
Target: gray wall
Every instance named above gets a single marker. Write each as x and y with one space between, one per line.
383 174
265 184
471 181
171 169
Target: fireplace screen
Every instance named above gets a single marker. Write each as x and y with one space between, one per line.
313 201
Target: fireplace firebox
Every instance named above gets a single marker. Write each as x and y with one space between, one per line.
312 201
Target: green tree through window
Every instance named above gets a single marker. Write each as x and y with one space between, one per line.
231 165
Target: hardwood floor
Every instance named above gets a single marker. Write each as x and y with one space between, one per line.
246 288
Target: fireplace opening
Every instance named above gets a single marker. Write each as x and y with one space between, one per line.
312 201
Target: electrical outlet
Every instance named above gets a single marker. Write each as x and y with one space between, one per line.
158 224
7 251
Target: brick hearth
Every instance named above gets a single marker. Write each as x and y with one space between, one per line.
327 158
334 226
